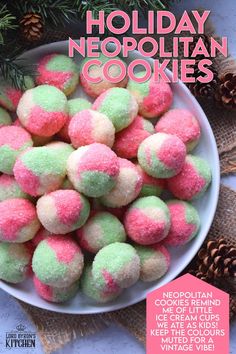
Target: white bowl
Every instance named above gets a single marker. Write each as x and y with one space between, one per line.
181 256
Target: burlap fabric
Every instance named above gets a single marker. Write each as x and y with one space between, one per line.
55 330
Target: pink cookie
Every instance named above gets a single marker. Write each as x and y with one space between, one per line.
128 140
93 169
19 222
15 262
151 185
55 294
162 155
88 127
118 105
13 141
58 70
75 106
155 261
99 231
41 170
182 123
10 189
154 98
58 261
10 96
127 188
63 211
193 180
43 110
37 140
88 288
185 223
147 221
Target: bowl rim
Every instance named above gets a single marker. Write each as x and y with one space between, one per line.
9 288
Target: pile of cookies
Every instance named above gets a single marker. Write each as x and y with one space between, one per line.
81 181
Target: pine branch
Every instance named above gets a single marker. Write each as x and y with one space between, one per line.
56 12
6 21
141 5
14 72
95 6
126 5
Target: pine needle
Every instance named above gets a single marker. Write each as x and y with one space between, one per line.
6 21
14 72
55 12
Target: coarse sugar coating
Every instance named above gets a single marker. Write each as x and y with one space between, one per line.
127 188
118 105
75 105
63 211
42 234
19 222
37 140
10 96
155 261
10 189
96 89
55 294
154 97
58 261
15 262
63 149
40 170
88 288
193 180
5 118
151 185
185 223
93 169
116 266
182 123
99 231
128 140
43 110
162 155
13 141
89 126
58 70
147 221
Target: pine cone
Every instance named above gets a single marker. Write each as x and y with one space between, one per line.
217 259
232 307
206 41
200 89
216 265
32 26
226 93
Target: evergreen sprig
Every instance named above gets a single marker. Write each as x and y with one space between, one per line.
56 12
6 21
14 71
95 6
126 5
